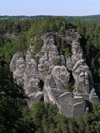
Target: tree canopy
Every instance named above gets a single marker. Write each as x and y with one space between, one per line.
15 35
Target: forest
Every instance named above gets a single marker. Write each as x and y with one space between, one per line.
88 18
15 117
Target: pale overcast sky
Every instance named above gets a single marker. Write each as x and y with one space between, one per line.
50 7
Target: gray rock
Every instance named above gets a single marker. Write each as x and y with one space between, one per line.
78 99
45 75
79 109
50 51
63 60
17 66
61 76
81 74
66 104
93 97
34 97
77 52
31 68
31 85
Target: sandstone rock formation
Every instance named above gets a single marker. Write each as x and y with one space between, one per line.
46 76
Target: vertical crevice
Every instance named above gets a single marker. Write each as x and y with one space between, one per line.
41 84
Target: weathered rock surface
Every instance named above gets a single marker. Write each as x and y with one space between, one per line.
42 79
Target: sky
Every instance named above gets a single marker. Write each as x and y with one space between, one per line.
50 7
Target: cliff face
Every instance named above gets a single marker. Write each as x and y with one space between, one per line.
46 74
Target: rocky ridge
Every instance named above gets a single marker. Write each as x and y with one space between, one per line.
45 75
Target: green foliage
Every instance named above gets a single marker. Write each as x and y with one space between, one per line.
63 47
48 24
15 26
38 45
46 119
69 87
14 115
81 124
37 59
7 50
91 45
71 124
91 120
43 118
22 43
67 51
11 102
96 110
71 66
42 115
99 72
56 61
91 18
32 55
46 68
37 112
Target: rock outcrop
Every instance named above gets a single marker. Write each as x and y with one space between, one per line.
45 75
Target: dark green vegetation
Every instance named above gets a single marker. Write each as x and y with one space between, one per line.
12 101
26 29
89 18
56 62
38 45
21 17
15 35
15 117
69 87
62 46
